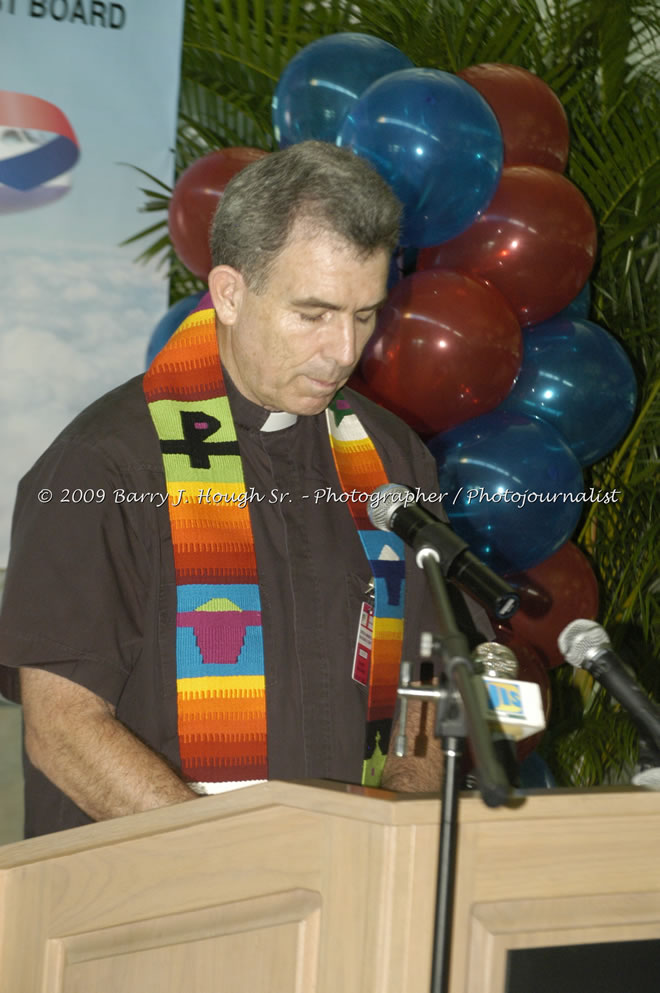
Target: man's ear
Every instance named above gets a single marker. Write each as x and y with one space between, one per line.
227 289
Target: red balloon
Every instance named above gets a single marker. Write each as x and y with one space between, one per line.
536 242
531 117
446 348
530 670
194 200
552 594
356 382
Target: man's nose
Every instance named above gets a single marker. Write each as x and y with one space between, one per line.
341 345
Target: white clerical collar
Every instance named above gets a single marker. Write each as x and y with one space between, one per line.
279 419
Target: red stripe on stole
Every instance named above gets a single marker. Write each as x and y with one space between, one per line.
217 729
233 521
202 392
188 367
218 771
382 703
213 544
364 475
189 572
384 679
221 753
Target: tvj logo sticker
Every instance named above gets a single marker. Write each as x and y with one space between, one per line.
38 150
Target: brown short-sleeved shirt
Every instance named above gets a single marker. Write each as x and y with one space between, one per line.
90 591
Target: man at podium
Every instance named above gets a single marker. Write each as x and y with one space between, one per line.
195 594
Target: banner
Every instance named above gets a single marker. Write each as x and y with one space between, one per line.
88 89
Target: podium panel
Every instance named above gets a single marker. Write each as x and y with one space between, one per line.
314 888
250 941
500 928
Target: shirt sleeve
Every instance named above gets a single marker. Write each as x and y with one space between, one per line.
76 578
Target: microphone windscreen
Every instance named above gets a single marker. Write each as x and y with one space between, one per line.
495 659
579 639
385 501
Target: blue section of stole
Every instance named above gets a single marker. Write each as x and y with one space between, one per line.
219 631
388 570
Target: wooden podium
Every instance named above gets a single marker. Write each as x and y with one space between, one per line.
317 888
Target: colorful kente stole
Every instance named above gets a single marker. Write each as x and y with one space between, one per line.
221 690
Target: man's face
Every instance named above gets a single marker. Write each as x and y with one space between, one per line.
295 343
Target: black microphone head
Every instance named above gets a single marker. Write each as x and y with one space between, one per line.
580 639
385 501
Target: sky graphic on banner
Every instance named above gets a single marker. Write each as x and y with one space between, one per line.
89 90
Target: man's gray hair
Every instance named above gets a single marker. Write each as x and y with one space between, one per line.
315 182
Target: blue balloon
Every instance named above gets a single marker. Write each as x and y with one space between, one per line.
578 378
395 273
434 138
579 305
170 321
514 489
324 80
535 773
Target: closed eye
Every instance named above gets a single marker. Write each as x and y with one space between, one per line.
362 318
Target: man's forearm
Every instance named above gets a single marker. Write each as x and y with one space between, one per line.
73 738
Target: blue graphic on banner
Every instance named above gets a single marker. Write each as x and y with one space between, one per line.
30 169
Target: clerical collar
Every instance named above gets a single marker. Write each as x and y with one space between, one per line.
279 419
251 415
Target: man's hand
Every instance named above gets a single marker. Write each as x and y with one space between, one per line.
73 737
421 770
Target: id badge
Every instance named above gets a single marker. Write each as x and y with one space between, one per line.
363 645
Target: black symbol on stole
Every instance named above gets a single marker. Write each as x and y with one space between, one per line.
197 427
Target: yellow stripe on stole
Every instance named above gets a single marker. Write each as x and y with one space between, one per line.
186 488
198 502
388 628
358 447
192 688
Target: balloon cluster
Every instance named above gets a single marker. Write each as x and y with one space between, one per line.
482 347
430 134
485 346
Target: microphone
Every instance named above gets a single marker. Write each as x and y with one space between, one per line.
392 507
492 658
585 644
515 708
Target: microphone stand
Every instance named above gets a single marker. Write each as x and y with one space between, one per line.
461 706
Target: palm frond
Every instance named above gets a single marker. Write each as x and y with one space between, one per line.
613 161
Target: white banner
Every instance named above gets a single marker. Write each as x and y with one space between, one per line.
86 88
